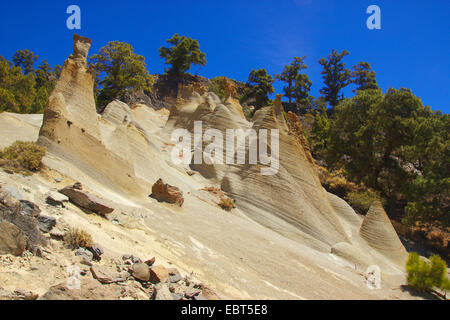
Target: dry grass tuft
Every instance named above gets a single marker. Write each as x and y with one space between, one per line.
227 203
76 238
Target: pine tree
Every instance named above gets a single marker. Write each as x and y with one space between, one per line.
364 77
123 70
25 59
182 53
260 85
336 77
297 85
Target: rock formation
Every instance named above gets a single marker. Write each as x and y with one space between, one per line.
121 152
379 233
20 224
293 201
86 201
72 130
165 192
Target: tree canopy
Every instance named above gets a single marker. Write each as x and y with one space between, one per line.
364 77
392 143
182 53
298 85
260 85
335 75
119 69
25 59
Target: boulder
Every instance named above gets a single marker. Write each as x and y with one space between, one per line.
158 274
8 198
46 224
78 186
141 272
167 193
97 251
150 262
56 199
19 227
107 275
130 259
86 200
29 208
12 239
85 254
191 293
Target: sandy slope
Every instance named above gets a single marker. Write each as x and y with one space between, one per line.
236 256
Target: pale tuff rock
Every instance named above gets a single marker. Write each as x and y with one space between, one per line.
22 127
71 130
72 101
379 233
120 153
81 46
291 202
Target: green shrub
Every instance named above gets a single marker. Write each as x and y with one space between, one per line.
216 86
361 200
423 276
23 157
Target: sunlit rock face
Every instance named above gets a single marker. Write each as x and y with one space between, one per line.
379 233
292 201
72 100
71 129
123 150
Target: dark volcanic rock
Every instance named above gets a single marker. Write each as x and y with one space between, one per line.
29 208
46 224
97 251
86 200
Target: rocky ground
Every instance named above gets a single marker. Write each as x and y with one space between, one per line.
128 262
50 269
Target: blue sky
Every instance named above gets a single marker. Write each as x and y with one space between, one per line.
411 50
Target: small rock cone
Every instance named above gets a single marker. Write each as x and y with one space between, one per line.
379 233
